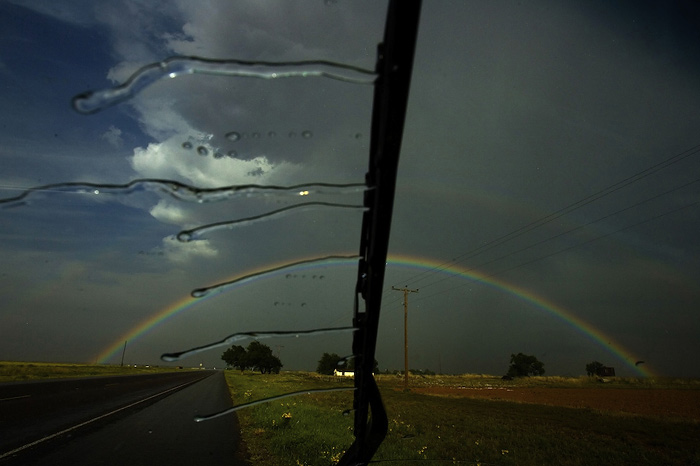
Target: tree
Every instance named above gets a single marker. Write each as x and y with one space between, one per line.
524 365
236 356
594 368
328 363
269 364
259 357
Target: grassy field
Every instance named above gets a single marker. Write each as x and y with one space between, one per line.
312 430
315 429
18 371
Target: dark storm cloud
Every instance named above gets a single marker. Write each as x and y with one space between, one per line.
525 109
516 111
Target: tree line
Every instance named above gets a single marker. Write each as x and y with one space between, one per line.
525 365
258 356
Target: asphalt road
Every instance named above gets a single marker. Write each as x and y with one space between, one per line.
119 421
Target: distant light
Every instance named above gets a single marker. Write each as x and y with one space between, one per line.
303 193
173 75
97 191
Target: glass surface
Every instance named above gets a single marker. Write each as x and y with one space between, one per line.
95 263
547 195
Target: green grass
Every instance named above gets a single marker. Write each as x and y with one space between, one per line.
302 430
19 371
311 430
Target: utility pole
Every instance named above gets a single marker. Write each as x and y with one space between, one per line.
405 290
123 351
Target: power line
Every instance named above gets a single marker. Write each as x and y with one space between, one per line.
561 212
537 259
559 235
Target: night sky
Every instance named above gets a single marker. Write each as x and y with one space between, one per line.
547 194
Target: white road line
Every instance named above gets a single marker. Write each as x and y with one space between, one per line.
15 397
49 437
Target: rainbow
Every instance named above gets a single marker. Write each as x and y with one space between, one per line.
403 261
571 319
185 303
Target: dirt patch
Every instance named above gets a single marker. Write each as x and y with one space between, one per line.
654 402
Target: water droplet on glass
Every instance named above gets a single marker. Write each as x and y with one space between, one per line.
201 150
187 145
189 193
256 135
342 361
270 399
232 153
307 134
255 336
233 136
97 191
271 134
184 236
347 412
292 134
278 213
358 135
91 102
218 155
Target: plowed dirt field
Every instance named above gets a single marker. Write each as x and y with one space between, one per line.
655 402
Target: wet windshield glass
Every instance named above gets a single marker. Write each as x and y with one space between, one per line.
149 191
180 178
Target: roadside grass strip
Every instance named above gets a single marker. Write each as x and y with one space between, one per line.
304 430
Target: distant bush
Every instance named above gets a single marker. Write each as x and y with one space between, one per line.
524 365
594 368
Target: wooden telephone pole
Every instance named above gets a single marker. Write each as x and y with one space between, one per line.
123 351
405 290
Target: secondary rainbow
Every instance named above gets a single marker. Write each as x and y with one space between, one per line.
424 264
